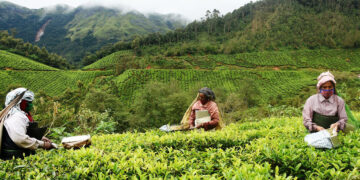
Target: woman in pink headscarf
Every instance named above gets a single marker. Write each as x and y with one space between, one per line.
325 109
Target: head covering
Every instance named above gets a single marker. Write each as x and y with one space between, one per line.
323 78
28 96
210 95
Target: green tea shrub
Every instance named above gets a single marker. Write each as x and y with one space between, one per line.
92 122
272 148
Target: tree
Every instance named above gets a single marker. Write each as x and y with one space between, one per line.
135 45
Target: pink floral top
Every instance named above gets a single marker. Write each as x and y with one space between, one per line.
213 110
328 107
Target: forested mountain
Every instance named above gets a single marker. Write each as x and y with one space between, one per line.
259 26
73 32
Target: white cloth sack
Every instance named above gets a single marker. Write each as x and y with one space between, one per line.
76 141
321 139
165 128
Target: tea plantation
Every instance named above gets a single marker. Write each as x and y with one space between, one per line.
12 61
335 59
51 82
269 83
271 148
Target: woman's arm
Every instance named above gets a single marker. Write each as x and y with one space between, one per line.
308 115
192 118
16 128
342 114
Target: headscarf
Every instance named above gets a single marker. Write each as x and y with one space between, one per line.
323 78
28 96
210 95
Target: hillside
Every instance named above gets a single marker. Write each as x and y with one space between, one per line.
73 32
159 96
110 61
10 61
335 59
54 83
270 149
265 25
268 84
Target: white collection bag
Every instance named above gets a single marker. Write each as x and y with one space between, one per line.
326 138
76 141
202 116
166 128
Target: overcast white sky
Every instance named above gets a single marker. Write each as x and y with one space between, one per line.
191 9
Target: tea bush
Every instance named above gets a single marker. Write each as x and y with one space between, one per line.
273 148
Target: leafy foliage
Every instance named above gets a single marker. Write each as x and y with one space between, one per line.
271 148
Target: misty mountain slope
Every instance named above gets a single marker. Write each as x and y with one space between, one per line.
101 22
73 32
24 20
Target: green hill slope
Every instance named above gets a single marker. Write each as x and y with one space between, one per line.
270 149
269 83
110 61
16 62
335 59
53 83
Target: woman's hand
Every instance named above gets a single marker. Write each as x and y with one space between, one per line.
199 126
47 145
318 128
45 139
335 126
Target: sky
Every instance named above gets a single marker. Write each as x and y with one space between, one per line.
190 9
